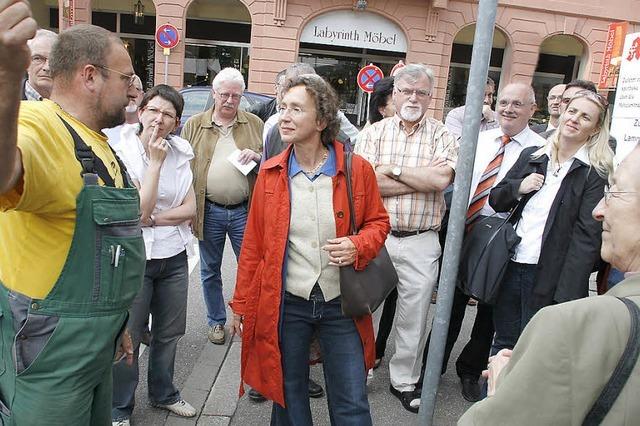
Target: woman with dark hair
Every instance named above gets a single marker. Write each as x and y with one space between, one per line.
380 104
555 189
158 163
288 284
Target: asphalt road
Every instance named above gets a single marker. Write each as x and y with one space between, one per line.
385 408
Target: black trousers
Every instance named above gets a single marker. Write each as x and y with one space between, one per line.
473 358
386 322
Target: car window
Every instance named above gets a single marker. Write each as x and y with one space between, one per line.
194 102
244 103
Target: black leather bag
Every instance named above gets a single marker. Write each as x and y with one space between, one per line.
363 291
486 251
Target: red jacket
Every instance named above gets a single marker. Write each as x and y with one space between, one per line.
258 290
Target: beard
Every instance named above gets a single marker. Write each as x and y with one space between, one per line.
109 119
410 113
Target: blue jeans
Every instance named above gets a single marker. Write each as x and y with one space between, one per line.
343 362
164 296
512 312
218 222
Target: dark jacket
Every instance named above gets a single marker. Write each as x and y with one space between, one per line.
264 110
539 128
571 238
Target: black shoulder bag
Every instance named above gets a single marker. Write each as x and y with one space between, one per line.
486 251
363 291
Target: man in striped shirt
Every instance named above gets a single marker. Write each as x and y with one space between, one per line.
414 157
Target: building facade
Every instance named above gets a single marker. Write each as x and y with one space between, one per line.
545 43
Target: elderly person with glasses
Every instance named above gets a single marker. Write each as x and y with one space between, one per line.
554 189
288 284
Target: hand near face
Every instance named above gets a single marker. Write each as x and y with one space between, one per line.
16 27
487 113
342 251
531 183
158 148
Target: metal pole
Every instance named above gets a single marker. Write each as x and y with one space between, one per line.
166 68
482 43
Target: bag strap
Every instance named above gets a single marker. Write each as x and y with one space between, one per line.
347 171
622 371
92 164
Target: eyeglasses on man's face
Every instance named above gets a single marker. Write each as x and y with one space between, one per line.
609 194
420 93
39 59
129 77
224 96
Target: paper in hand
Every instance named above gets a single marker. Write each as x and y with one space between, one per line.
244 168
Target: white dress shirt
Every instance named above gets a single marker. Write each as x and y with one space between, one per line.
488 146
536 212
161 242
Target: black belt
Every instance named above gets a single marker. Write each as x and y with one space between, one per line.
228 206
402 234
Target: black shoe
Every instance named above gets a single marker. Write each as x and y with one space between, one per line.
470 389
315 390
256 396
405 398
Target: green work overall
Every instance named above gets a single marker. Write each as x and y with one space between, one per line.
68 381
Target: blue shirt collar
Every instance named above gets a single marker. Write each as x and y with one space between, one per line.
328 168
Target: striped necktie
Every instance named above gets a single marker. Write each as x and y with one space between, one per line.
487 180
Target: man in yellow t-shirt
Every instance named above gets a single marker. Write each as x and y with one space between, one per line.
72 252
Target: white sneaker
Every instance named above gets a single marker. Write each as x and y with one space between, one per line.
180 408
124 422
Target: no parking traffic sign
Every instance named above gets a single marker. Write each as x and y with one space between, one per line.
368 76
167 36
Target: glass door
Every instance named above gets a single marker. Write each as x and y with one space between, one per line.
203 62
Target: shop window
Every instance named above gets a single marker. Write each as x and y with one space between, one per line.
106 20
221 31
127 25
203 63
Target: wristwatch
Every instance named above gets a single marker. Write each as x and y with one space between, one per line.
396 172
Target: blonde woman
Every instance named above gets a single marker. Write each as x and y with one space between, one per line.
555 189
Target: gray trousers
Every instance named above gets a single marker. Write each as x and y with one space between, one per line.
164 296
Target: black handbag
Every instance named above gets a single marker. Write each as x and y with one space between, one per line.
621 374
486 251
363 291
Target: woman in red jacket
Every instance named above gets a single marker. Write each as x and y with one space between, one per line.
288 283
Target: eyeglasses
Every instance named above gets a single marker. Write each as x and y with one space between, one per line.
587 94
165 114
39 59
130 77
608 193
294 111
514 104
420 93
233 96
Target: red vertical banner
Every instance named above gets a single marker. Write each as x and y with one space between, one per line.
612 55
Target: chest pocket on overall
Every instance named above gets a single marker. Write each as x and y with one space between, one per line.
119 250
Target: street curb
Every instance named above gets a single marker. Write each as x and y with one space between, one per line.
200 383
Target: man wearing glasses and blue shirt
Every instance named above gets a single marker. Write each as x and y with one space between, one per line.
222 191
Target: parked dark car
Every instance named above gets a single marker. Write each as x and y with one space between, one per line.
198 99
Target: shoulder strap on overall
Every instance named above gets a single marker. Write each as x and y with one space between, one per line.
622 371
92 164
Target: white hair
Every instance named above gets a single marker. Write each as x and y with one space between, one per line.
414 72
228 75
41 33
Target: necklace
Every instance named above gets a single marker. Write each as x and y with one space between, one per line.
319 164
